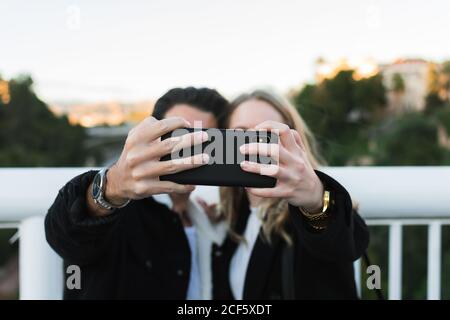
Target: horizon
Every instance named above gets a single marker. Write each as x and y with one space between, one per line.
104 51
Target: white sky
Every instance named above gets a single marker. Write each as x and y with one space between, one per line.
133 50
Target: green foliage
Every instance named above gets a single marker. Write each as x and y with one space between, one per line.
340 112
433 103
350 122
31 135
398 84
409 140
442 117
377 253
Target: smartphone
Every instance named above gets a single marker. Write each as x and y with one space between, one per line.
224 167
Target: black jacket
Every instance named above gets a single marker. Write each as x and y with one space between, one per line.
322 261
138 252
141 251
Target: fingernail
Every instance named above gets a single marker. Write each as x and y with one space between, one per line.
202 136
242 148
205 158
175 140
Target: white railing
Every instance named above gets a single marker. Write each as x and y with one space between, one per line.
392 196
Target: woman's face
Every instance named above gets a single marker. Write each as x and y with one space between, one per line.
247 116
251 113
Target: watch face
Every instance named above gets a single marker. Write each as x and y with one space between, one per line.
96 187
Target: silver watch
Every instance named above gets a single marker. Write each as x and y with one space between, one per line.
98 191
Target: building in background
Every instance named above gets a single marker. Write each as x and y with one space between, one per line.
407 83
107 124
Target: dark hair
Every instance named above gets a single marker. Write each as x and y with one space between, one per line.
205 99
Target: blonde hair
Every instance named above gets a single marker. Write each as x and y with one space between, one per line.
275 210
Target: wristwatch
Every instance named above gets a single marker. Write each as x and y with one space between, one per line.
98 191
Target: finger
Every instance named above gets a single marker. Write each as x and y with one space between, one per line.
271 170
175 144
172 187
267 192
298 139
182 164
202 203
151 129
152 169
283 131
210 209
211 212
277 153
263 149
141 153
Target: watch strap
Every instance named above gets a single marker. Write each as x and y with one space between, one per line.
100 199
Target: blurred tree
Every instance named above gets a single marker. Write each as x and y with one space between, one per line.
31 135
439 89
350 122
398 84
434 103
445 81
442 117
397 93
411 139
340 111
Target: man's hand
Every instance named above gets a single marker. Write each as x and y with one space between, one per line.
136 174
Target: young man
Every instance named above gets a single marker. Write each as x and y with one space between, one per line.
127 243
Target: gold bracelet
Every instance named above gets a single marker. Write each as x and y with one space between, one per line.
319 228
319 215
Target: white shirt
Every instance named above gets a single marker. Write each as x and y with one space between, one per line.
201 238
194 289
241 257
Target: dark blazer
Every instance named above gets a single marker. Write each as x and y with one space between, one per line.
138 252
322 261
141 251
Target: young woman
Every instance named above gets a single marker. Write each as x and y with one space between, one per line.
297 240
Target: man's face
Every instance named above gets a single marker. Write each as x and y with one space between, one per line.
193 115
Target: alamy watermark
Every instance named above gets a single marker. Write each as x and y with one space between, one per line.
373 281
225 147
73 280
73 17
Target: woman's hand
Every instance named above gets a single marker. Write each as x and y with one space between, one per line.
211 210
296 180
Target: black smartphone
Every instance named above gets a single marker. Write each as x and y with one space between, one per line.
224 167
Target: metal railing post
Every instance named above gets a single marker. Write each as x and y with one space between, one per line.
434 261
40 268
395 261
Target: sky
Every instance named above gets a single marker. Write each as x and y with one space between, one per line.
82 50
